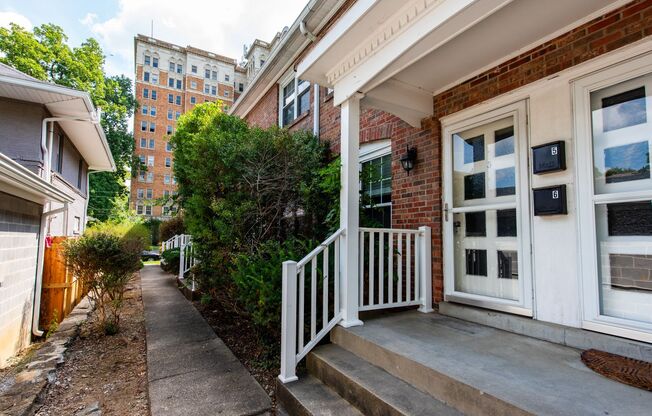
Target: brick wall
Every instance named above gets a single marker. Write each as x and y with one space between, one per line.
265 113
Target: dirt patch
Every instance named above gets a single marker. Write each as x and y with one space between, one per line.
104 373
239 334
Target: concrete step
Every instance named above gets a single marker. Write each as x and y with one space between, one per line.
310 397
480 370
369 388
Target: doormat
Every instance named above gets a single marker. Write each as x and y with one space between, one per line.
626 370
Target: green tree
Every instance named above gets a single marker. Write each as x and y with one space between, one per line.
44 54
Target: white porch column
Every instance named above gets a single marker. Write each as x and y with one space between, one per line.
349 206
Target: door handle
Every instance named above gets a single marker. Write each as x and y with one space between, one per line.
446 211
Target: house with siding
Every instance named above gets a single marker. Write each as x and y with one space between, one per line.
511 141
50 142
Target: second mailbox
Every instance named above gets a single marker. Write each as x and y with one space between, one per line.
549 157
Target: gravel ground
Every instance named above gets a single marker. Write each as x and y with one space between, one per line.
104 375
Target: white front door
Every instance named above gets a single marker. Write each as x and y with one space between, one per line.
486 211
614 139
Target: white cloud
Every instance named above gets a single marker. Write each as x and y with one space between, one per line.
7 17
89 19
219 26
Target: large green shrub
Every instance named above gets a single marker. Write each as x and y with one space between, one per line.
105 262
244 191
173 226
171 259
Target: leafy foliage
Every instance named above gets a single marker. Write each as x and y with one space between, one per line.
173 226
105 259
243 191
171 259
44 54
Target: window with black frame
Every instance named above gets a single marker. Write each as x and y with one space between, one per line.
376 186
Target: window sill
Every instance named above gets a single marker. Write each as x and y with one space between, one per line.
297 120
328 97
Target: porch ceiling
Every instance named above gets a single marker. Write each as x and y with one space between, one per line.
399 54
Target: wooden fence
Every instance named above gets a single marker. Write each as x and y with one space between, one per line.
61 290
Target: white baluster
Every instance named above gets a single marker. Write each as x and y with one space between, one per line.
390 268
408 267
426 269
371 268
313 299
336 277
399 288
324 321
381 267
302 311
288 323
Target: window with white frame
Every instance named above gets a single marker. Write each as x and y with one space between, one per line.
193 85
142 159
171 82
150 193
213 90
145 110
151 143
152 127
226 77
152 111
193 69
168 146
143 126
154 79
147 60
172 66
150 160
145 93
214 75
294 100
171 98
179 69
143 143
139 209
178 100
166 179
140 193
153 94
150 177
170 114
155 62
148 210
376 184
168 162
146 76
169 129
141 177
207 73
193 100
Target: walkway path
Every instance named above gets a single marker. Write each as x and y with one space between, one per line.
190 370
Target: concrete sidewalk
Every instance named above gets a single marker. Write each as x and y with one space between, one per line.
190 370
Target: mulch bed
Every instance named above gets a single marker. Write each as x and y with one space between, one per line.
240 336
626 370
101 374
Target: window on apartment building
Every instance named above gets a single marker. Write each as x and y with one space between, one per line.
171 98
226 93
376 185
152 127
207 89
169 129
139 209
177 115
172 65
174 180
154 95
150 193
145 110
207 73
150 160
140 193
169 114
178 100
226 77
152 111
155 62
166 193
179 69
143 142
151 143
168 162
154 79
143 126
147 59
146 76
179 84
145 93
214 75
141 177
240 86
171 82
150 177
193 69
148 210
142 159
193 100
213 90
193 85
294 100
168 146
166 210
166 179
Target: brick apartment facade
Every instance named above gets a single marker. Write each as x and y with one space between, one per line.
171 80
416 200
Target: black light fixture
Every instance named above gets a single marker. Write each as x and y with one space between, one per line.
409 159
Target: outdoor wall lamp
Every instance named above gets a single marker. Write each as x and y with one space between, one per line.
409 159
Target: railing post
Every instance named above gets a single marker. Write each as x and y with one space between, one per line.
181 259
289 323
425 269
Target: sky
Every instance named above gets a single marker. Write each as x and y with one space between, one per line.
218 26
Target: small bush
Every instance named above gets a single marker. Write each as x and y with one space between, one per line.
170 228
171 260
106 262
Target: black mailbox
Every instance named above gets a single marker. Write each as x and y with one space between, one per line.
550 200
549 157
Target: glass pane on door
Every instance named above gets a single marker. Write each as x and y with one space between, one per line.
486 239
621 118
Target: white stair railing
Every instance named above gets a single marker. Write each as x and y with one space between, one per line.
395 268
307 315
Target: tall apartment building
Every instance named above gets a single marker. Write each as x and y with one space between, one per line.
171 80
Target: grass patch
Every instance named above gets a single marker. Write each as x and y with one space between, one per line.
154 262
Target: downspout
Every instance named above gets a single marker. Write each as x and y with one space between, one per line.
315 115
88 197
45 150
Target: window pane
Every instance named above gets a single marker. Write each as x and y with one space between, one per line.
622 136
288 114
304 102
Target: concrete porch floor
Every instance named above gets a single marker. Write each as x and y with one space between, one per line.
450 358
